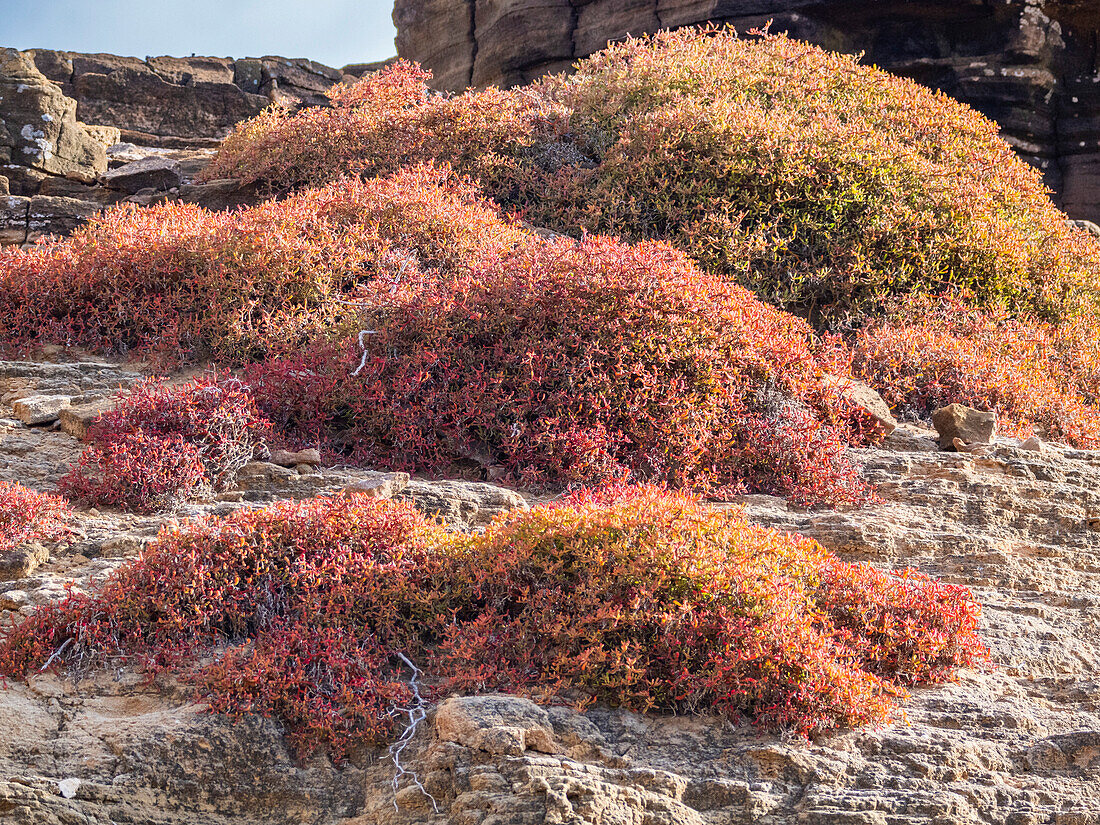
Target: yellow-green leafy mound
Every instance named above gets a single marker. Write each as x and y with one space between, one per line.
823 184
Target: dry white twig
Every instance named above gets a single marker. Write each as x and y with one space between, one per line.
363 346
56 653
417 712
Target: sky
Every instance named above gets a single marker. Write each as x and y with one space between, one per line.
333 32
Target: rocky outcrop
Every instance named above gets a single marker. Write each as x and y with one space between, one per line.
155 124
1029 64
1018 743
178 102
39 130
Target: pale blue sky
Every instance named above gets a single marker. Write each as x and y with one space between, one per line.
335 32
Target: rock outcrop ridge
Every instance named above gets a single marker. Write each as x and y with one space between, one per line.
81 132
1031 65
181 101
39 129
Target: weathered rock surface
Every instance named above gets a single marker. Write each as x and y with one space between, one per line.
1028 64
173 113
189 98
1017 744
38 124
40 409
957 421
156 173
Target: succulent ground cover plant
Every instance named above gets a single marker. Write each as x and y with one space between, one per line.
628 595
824 185
165 444
569 363
180 284
28 515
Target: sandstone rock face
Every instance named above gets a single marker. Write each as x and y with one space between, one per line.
38 124
1028 64
190 98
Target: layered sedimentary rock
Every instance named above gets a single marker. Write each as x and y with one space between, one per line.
39 129
187 98
63 115
1031 65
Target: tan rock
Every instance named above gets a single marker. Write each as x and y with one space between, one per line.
964 423
379 485
75 420
865 398
40 409
497 724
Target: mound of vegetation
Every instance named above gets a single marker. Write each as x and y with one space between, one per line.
632 596
165 444
823 185
559 362
574 363
27 515
181 283
1037 376
828 188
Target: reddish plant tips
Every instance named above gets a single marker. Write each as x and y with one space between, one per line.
630 595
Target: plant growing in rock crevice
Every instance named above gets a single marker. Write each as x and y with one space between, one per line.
164 444
630 595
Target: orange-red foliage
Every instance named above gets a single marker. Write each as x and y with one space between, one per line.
573 363
164 444
182 283
27 515
820 183
633 596
1035 375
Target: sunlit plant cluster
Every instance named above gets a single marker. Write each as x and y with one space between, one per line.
629 595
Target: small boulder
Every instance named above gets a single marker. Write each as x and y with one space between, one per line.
379 485
865 398
156 173
965 423
1033 444
258 474
75 420
40 409
463 505
1085 226
21 562
285 458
